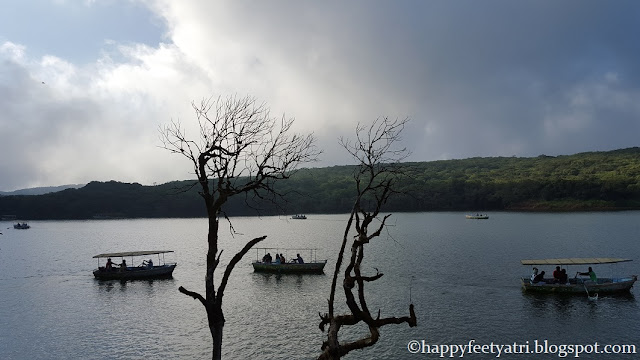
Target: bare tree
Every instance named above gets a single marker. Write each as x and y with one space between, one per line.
241 150
379 168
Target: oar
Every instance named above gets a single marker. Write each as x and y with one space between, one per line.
589 296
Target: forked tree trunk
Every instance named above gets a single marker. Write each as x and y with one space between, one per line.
241 136
213 300
216 325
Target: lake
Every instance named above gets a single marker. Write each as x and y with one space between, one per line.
462 276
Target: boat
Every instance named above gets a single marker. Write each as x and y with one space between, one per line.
477 216
578 285
21 226
265 265
299 217
145 270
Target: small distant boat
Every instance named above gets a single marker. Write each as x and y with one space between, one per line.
577 285
267 265
477 216
22 226
299 217
123 271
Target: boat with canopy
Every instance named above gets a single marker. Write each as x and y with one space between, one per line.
271 263
477 216
145 270
582 283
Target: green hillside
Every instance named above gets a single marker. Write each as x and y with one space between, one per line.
586 181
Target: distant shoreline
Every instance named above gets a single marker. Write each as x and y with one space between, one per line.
585 182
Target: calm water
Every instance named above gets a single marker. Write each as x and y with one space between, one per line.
462 275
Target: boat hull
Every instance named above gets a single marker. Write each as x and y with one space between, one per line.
135 273
603 286
290 268
477 217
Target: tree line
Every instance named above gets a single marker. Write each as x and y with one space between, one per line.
587 181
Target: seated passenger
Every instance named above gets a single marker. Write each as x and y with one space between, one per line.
564 278
556 274
539 278
299 259
123 265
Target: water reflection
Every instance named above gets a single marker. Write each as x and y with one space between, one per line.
122 285
560 305
280 278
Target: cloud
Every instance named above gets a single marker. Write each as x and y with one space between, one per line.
477 79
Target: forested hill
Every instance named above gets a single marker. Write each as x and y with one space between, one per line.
586 181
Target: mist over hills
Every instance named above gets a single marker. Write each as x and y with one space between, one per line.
41 190
586 181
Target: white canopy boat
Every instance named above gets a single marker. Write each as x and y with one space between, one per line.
578 284
269 264
122 271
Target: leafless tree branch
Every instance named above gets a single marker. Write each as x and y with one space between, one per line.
379 168
241 149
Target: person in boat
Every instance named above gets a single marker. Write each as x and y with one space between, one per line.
299 259
556 274
123 265
591 274
147 263
539 278
277 259
282 259
534 273
564 278
109 265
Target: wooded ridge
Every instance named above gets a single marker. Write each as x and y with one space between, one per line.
586 181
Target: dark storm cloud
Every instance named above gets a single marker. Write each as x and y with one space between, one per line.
477 78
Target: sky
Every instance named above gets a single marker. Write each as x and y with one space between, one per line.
86 84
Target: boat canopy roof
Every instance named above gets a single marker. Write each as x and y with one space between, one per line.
574 261
132 253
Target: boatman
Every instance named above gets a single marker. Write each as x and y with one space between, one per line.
591 274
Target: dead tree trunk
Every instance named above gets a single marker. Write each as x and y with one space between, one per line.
242 150
376 175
